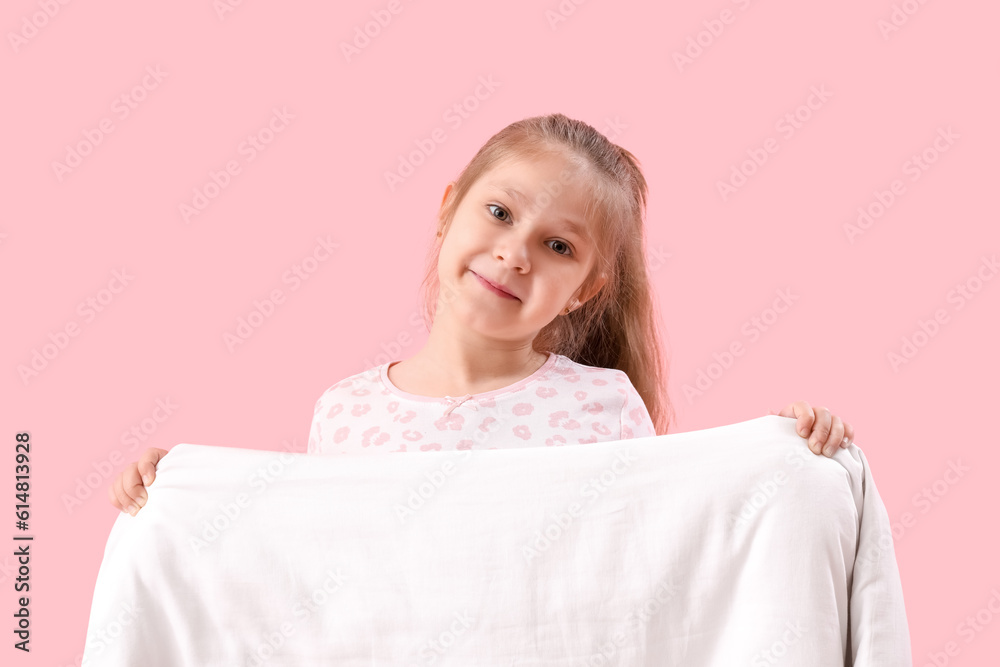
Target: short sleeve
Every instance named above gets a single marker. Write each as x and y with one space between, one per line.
315 431
635 419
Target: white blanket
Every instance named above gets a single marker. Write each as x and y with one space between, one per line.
728 546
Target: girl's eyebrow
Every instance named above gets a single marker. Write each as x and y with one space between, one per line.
574 227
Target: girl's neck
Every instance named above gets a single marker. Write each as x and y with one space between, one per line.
435 372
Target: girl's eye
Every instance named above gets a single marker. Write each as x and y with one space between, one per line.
568 251
491 206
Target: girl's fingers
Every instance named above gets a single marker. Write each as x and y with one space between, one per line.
821 430
124 500
848 436
147 464
836 436
806 421
803 415
129 490
133 486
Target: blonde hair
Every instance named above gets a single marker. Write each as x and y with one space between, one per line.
618 327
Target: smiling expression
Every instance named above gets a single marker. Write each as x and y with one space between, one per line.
514 255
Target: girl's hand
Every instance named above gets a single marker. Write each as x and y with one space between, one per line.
826 431
127 492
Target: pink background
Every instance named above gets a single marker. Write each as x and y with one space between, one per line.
718 264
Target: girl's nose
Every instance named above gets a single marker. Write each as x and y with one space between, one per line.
513 251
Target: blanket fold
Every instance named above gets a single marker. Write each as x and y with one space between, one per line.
728 546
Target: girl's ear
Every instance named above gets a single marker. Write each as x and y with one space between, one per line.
447 191
594 288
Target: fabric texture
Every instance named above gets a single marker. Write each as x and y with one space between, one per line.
562 403
727 546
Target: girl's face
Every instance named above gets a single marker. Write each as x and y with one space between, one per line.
522 227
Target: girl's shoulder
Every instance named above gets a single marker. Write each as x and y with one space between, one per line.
573 371
359 384
610 386
620 393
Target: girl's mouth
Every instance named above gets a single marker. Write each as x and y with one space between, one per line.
493 288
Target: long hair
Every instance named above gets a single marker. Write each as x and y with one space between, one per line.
618 327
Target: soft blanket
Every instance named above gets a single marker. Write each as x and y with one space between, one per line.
727 546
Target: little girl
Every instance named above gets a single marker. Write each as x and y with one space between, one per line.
543 329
